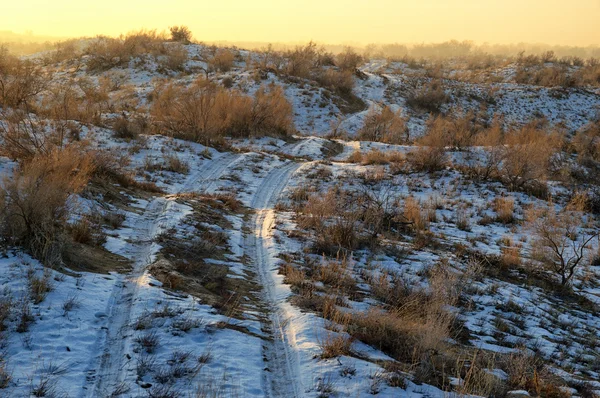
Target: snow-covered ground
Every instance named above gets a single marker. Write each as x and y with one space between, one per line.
138 333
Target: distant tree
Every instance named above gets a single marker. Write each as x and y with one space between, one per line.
181 34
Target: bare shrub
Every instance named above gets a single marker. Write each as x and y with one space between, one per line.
428 159
6 309
24 136
384 126
414 214
338 81
504 208
34 204
176 165
456 131
206 112
105 53
181 34
222 60
526 157
20 81
348 59
563 238
462 219
174 58
429 97
420 324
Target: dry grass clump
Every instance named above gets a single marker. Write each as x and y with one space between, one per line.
414 214
335 345
34 206
414 323
39 286
384 125
504 208
427 159
430 97
205 112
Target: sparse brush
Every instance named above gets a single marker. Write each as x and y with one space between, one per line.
39 287
148 341
163 391
335 345
5 376
427 159
386 126
186 324
176 165
25 317
504 208
413 213
69 305
145 364
430 97
462 219
6 309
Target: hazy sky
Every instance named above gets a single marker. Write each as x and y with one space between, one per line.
574 22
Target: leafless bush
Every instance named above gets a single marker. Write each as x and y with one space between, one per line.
20 81
337 81
526 156
563 239
24 136
205 112
222 60
348 59
456 131
6 309
105 53
384 126
34 205
428 159
181 34
415 215
429 97
504 208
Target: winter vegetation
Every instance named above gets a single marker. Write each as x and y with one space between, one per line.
179 219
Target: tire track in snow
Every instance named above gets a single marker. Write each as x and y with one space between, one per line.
282 377
107 373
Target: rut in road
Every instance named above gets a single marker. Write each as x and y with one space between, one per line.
108 375
282 376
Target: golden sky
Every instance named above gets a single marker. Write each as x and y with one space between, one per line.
574 22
